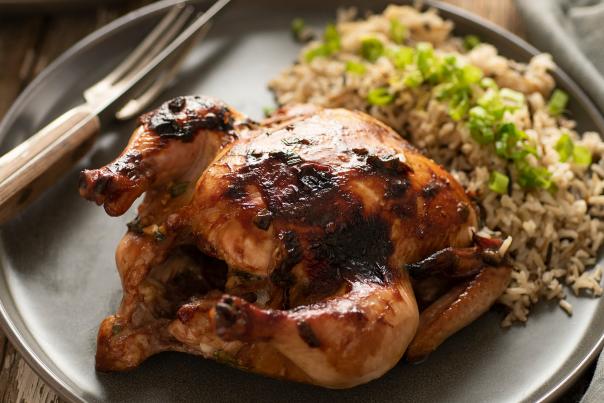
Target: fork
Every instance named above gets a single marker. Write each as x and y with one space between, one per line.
31 167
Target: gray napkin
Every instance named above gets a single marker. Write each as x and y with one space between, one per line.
573 32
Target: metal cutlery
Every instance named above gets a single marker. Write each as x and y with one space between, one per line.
28 169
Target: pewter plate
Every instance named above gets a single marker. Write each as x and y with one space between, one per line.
56 259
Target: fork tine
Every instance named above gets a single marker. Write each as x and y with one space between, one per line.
165 25
116 96
162 41
136 105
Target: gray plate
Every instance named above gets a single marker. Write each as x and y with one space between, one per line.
59 279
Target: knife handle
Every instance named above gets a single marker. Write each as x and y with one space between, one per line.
31 167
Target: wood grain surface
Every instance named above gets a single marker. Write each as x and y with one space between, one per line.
30 41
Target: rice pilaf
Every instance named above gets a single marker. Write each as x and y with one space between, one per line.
496 124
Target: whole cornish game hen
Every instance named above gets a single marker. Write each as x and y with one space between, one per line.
290 248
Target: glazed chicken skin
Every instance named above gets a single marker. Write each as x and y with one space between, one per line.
290 247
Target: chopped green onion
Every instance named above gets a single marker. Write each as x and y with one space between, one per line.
530 150
450 60
297 27
582 156
481 125
441 70
492 103
499 182
557 102
523 152
458 107
507 139
425 57
471 74
372 49
331 37
468 95
317 51
455 84
398 32
380 96
470 42
445 91
355 67
458 97
401 57
531 177
512 98
488 82
330 45
564 146
567 149
412 78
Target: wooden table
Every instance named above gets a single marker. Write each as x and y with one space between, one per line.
29 42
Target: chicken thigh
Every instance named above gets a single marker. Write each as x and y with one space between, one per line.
289 247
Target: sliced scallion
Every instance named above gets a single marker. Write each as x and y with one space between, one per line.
557 102
355 67
380 96
564 146
398 31
330 45
471 74
582 156
331 37
532 177
372 49
488 82
412 78
499 182
401 56
481 125
317 51
511 98
470 42
425 57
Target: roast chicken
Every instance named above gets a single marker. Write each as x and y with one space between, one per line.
316 246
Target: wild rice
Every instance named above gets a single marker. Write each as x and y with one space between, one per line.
554 234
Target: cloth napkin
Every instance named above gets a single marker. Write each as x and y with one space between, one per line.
573 32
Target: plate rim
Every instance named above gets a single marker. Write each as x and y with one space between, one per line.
54 379
8 325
